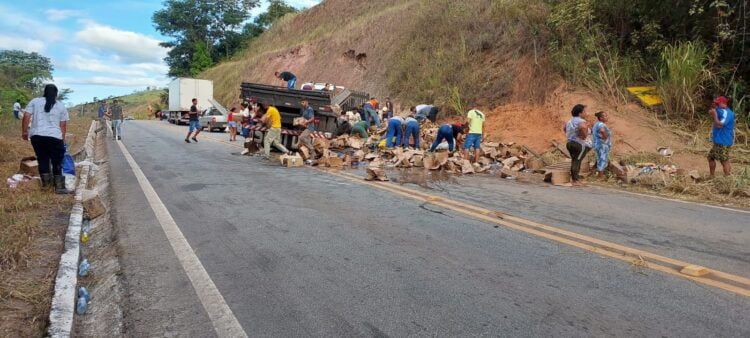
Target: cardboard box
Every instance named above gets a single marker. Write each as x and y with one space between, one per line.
291 161
558 177
299 121
375 174
534 163
92 204
304 152
29 166
333 161
356 143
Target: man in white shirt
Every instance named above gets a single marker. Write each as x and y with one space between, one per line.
17 109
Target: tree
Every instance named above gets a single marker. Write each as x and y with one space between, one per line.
29 70
276 10
64 93
189 22
201 59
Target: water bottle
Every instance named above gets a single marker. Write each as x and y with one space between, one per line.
86 227
83 293
82 305
83 268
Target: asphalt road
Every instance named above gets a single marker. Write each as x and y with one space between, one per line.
297 252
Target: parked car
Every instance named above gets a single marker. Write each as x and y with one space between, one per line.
213 119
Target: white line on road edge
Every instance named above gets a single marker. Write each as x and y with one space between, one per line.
224 321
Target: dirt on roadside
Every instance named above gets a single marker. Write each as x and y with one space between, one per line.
33 227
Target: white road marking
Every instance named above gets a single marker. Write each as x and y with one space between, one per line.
224 321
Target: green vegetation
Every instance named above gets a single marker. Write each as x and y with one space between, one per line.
136 104
205 32
463 53
682 73
692 49
21 76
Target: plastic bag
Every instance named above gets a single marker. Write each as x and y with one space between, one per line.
68 165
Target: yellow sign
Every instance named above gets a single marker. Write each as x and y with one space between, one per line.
647 95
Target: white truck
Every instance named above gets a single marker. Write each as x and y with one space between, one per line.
181 93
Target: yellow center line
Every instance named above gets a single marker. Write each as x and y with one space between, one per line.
729 282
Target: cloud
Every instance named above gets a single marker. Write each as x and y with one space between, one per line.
24 44
62 14
14 23
112 81
91 64
127 46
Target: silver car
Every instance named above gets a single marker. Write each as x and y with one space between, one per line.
213 119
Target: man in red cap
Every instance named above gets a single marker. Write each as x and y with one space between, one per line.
722 136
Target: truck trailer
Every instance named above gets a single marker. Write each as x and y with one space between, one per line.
181 93
287 101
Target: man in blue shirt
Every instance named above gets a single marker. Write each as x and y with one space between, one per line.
102 110
722 136
370 113
287 77
306 137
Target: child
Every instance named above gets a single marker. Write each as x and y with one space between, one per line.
602 142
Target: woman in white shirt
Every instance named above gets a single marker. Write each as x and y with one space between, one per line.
45 122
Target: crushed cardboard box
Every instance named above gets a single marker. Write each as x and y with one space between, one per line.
375 174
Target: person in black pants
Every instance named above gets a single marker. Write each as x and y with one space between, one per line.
577 132
45 123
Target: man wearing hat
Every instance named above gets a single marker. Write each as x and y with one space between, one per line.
722 136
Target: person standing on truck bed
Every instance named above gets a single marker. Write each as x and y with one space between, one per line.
195 124
425 111
289 77
370 113
272 119
389 107
306 137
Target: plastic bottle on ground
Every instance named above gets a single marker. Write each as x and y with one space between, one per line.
82 305
83 292
83 268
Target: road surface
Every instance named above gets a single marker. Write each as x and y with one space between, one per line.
299 252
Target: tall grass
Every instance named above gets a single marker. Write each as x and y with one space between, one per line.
459 52
681 77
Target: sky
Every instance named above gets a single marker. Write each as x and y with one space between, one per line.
98 48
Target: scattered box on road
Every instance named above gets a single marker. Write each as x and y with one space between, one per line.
291 160
694 270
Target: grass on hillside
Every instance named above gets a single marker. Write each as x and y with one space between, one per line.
135 105
33 224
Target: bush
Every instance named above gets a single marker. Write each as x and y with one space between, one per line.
681 77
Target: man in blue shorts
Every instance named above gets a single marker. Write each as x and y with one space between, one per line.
475 121
195 124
